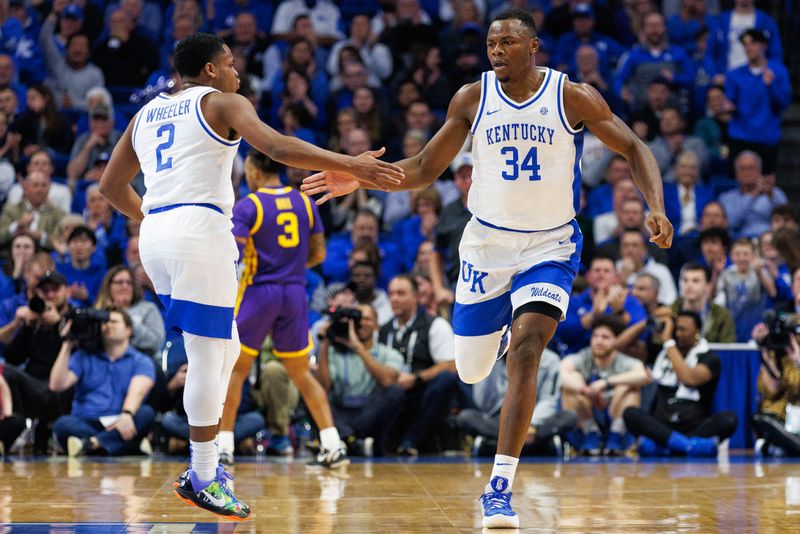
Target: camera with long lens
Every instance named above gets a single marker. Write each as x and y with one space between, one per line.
340 318
86 331
779 327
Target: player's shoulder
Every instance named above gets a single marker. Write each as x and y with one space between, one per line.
468 94
583 102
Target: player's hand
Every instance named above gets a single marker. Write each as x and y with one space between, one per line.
370 171
332 183
660 229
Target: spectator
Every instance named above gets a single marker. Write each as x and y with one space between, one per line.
70 22
108 414
100 139
32 344
125 58
9 104
611 224
759 91
120 290
226 14
41 126
549 426
145 17
59 195
601 198
604 296
445 262
634 261
8 77
70 74
687 373
672 140
246 39
278 398
23 248
696 290
725 49
411 232
428 376
365 228
409 30
770 260
583 22
784 216
686 199
586 69
360 375
337 295
684 26
779 387
83 271
712 128
363 279
34 214
598 384
715 244
59 239
368 110
11 424
743 288
748 208
631 215
353 75
377 57
644 342
107 224
323 14
659 96
652 57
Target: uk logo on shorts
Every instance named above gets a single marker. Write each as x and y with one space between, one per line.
470 274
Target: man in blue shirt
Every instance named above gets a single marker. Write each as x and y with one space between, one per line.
583 33
108 411
760 91
749 207
605 296
83 272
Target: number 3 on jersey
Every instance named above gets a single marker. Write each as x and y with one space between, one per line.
529 163
169 130
291 236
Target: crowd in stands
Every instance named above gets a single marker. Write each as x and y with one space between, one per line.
702 83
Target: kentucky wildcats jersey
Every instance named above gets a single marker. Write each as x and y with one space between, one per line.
277 223
526 159
182 158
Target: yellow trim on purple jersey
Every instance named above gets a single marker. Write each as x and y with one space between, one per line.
259 213
270 191
308 210
297 353
249 351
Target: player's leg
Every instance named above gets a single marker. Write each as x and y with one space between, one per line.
540 297
292 345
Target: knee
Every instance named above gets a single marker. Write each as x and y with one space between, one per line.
730 420
145 415
526 349
630 414
475 356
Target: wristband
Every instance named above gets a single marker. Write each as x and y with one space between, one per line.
669 344
128 412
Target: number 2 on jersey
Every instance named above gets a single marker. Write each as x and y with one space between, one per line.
169 129
529 163
291 232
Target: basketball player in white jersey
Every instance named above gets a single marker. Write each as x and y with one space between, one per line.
520 252
185 144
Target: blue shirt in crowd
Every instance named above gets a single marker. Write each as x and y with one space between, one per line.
758 106
102 384
91 277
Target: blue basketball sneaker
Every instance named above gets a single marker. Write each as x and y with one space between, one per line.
592 444
648 447
497 512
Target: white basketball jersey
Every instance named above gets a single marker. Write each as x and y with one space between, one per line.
182 158
526 158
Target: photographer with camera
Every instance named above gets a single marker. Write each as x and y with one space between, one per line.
33 343
687 373
777 423
360 376
111 381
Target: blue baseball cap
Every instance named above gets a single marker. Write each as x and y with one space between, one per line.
73 11
583 10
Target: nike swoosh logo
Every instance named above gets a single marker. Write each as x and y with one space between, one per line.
216 501
562 242
492 112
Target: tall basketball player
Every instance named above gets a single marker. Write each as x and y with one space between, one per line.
185 144
520 252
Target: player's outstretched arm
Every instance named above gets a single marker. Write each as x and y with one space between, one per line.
420 170
583 103
116 179
239 114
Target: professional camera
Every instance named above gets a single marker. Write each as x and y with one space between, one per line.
37 305
86 329
340 318
779 326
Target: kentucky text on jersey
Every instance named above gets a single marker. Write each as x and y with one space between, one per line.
519 131
168 111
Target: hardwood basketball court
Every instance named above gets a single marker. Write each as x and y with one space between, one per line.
429 495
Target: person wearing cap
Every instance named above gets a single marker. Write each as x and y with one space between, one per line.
69 73
759 91
83 271
32 342
101 138
653 56
33 214
583 21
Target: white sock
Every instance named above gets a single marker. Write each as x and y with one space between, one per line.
502 473
329 438
225 441
589 425
204 459
618 426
